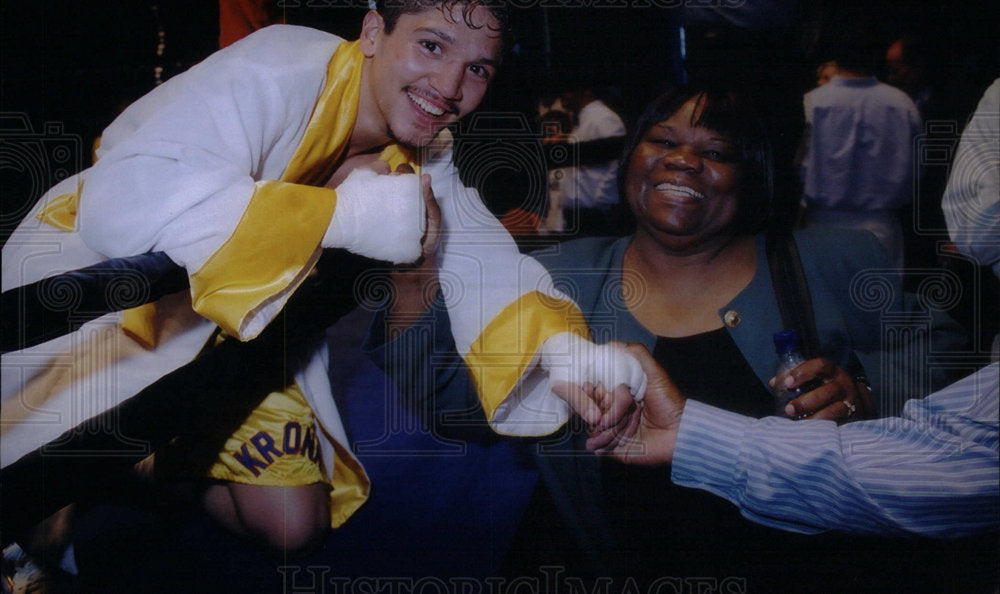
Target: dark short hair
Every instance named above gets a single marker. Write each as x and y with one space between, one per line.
391 10
731 114
860 46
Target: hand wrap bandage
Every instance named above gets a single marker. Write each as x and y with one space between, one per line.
569 358
565 357
378 216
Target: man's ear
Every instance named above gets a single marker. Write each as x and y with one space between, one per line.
371 30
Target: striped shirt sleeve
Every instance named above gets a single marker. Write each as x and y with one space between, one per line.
931 472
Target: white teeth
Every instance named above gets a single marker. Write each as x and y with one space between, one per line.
668 187
425 105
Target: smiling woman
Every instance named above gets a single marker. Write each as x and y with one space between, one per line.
683 178
719 128
693 284
696 179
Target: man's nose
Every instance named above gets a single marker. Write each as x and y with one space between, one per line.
447 81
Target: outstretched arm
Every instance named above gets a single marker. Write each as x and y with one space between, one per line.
412 341
933 471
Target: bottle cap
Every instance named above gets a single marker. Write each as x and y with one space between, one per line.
787 341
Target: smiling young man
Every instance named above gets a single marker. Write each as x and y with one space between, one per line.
425 71
242 170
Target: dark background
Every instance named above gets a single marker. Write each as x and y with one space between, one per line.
69 67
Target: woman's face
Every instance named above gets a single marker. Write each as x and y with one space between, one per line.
683 182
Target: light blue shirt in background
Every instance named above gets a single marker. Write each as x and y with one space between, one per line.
860 152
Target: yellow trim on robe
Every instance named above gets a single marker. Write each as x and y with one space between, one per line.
139 323
274 243
507 346
279 235
350 485
60 212
396 155
332 121
277 240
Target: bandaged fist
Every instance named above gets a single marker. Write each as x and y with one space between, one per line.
654 440
378 216
598 381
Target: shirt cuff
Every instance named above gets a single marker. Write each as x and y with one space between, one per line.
706 453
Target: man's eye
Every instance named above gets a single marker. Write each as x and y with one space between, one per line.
431 46
480 71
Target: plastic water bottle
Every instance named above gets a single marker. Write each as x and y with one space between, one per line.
788 347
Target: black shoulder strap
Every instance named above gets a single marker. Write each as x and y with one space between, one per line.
791 289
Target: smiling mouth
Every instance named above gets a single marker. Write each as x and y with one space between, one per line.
425 105
682 191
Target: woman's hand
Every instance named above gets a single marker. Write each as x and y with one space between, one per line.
415 286
601 383
612 414
838 397
650 440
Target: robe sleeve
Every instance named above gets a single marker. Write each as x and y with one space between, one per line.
185 166
502 306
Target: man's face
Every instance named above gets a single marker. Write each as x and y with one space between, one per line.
430 71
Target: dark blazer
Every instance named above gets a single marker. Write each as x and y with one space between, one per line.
860 308
858 299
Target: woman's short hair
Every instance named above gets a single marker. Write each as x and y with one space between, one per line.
728 113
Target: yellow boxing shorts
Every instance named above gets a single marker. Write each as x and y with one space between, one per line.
277 445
